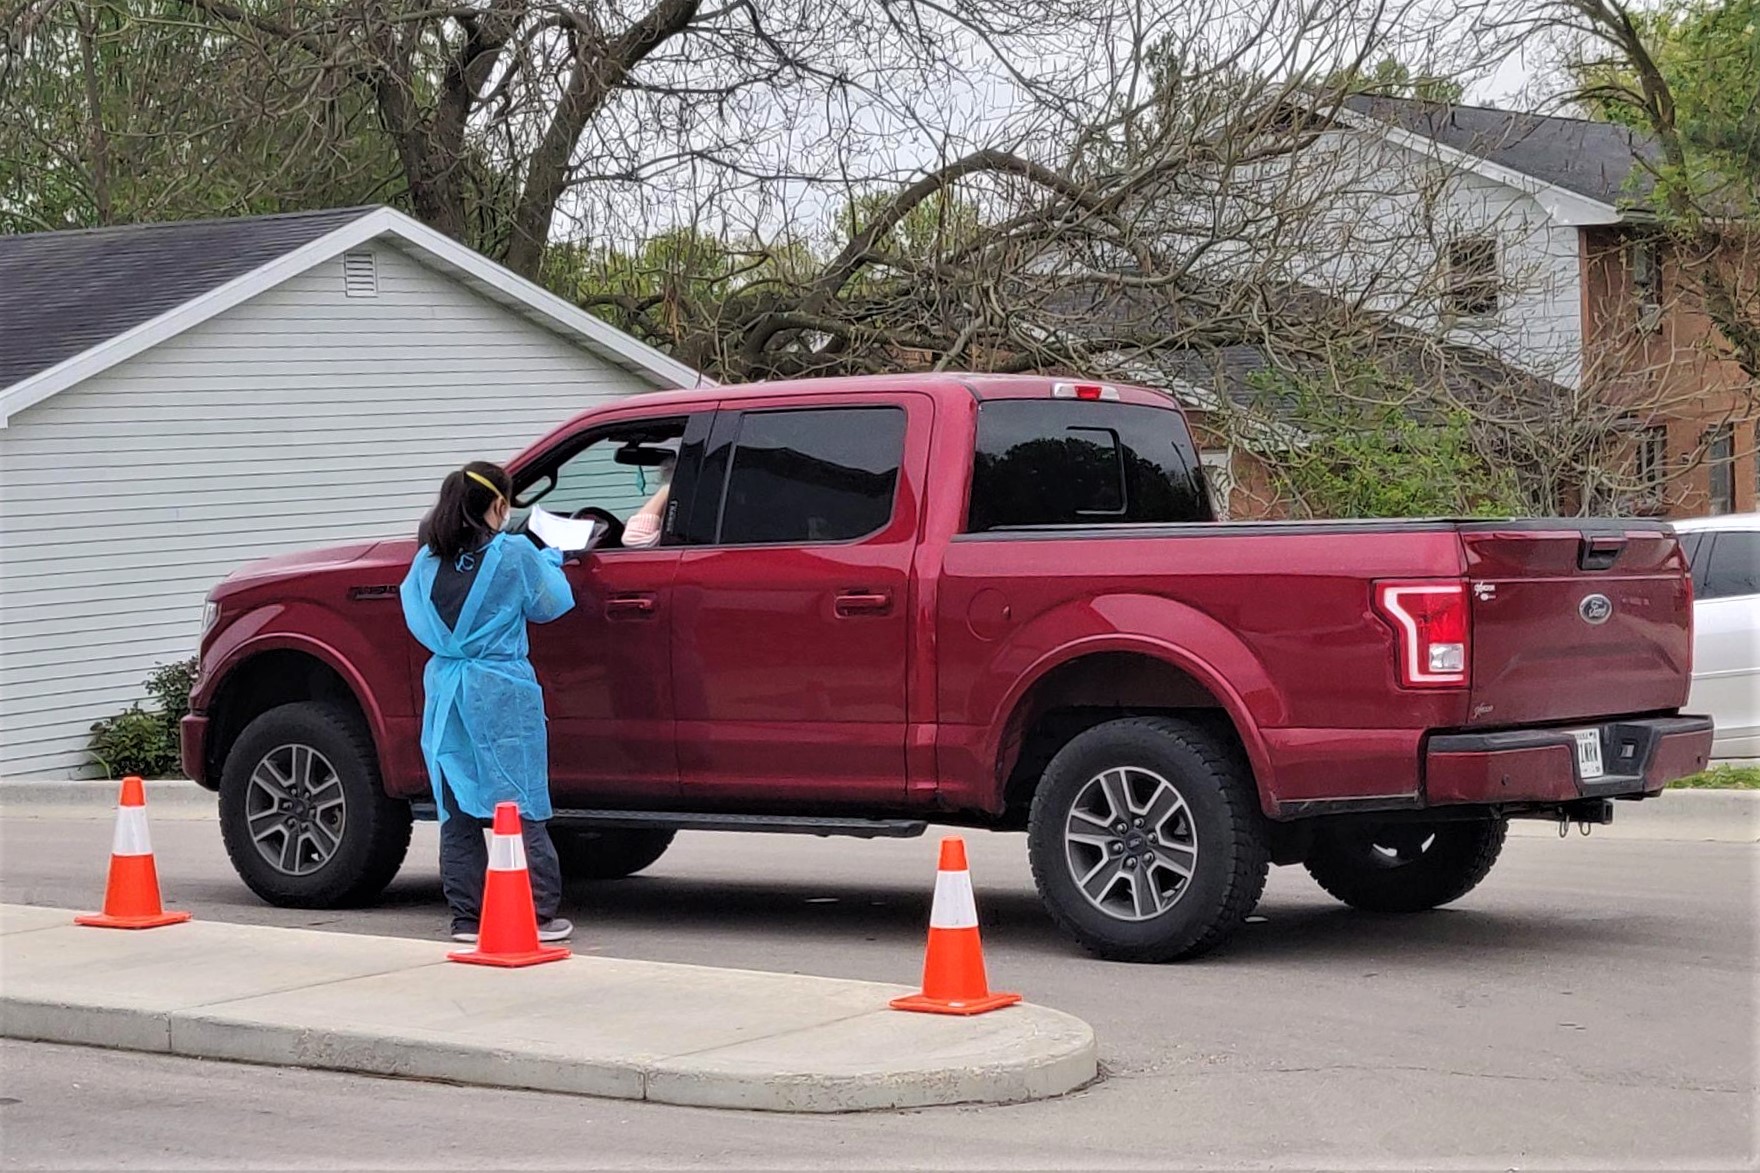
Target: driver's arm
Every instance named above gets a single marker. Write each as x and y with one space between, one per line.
644 527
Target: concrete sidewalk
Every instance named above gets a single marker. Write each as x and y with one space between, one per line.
673 1034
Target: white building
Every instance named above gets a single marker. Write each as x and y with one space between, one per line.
1469 223
177 400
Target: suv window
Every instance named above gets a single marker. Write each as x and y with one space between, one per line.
812 475
1064 462
1733 568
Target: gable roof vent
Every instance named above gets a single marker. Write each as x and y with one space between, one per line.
360 274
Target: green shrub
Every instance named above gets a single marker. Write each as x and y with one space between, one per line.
144 741
1724 777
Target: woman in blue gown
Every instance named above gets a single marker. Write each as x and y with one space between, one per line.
467 598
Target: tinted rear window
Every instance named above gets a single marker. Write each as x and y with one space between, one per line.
1064 462
1733 568
817 475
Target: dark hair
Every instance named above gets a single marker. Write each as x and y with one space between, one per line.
457 522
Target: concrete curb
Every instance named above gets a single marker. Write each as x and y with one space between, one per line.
1723 816
49 798
672 1034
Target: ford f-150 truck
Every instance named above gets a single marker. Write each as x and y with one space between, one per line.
1000 602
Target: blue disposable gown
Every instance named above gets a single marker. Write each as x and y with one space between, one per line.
483 711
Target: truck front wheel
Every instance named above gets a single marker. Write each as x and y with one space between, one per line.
1146 839
304 817
1405 867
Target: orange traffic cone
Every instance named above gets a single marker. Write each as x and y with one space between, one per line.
508 929
131 899
953 969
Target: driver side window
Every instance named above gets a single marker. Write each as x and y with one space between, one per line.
592 476
616 470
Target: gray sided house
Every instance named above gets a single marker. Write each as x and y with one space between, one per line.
177 400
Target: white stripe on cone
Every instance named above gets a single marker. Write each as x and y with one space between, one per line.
507 853
131 832
954 906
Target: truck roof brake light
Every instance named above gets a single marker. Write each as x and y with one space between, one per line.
1083 391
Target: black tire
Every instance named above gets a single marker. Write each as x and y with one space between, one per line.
1405 867
370 839
1221 818
610 854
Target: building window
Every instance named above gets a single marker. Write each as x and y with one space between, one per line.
1720 459
1472 284
1647 282
1652 460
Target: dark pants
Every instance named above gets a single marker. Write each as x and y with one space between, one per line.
464 857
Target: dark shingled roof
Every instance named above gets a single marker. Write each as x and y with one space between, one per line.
1314 331
1600 160
62 293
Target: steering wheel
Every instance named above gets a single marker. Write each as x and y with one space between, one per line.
614 528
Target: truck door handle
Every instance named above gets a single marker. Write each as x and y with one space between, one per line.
863 603
637 606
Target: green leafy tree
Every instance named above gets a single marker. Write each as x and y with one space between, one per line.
1364 445
1687 74
113 113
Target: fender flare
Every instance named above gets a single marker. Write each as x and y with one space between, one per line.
239 655
1129 638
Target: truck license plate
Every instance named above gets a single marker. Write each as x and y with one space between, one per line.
1588 753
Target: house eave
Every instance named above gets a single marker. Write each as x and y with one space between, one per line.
442 252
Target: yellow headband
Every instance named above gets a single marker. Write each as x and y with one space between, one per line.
484 481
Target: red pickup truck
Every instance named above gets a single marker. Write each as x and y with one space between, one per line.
982 601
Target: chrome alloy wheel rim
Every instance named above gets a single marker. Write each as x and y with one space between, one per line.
1131 844
295 809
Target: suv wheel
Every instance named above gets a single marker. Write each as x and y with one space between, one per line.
1146 839
305 819
1405 867
609 854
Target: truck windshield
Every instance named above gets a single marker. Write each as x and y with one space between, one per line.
1072 462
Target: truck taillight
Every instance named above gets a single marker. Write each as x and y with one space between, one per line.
1432 626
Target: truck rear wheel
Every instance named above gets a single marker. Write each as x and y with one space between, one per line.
304 816
1146 839
610 854
1405 867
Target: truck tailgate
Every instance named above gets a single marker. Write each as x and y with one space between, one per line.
1576 619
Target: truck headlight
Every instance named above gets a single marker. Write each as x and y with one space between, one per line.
210 615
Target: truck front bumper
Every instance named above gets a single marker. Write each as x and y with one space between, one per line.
1639 758
193 746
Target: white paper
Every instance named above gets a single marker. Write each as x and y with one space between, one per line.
567 534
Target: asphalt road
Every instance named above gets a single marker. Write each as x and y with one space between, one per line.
1593 1003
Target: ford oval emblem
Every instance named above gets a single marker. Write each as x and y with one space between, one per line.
1596 609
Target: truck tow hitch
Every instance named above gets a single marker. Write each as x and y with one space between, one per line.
1587 815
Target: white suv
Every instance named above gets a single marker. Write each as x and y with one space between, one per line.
1725 555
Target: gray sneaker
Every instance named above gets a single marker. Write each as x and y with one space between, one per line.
465 931
555 929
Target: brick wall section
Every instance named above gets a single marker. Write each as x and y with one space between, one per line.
1673 371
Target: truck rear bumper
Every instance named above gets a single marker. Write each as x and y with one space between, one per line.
1540 765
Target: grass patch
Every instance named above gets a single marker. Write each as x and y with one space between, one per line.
1724 777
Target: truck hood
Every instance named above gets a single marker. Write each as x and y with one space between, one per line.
305 562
